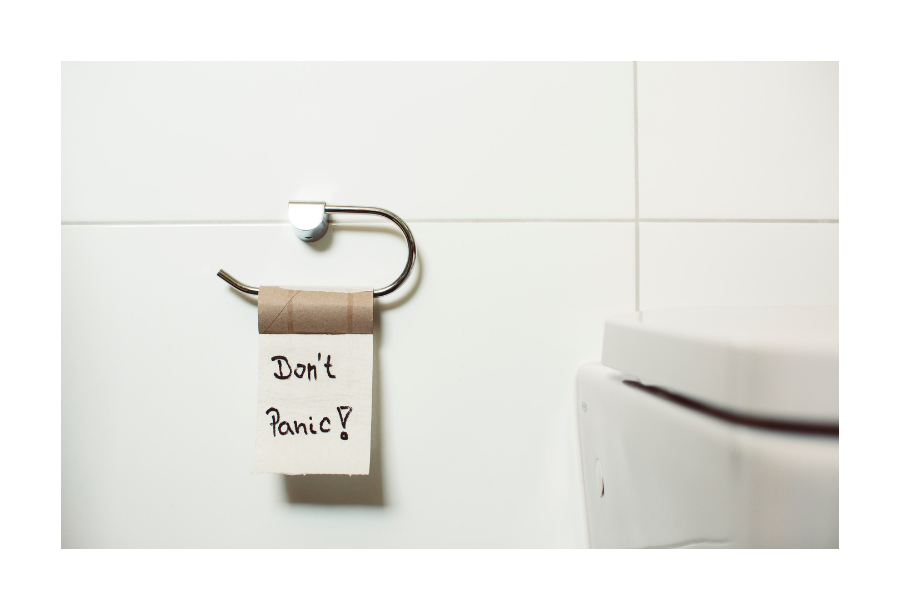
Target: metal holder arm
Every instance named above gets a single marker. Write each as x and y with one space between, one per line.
310 222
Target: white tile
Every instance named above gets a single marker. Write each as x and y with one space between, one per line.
475 435
738 264
738 140
231 141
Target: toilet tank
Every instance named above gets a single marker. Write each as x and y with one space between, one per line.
713 427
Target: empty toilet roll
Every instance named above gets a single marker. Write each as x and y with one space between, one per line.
315 312
314 407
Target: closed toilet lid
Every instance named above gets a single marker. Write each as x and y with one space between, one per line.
768 361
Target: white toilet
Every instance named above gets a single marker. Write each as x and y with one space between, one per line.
713 427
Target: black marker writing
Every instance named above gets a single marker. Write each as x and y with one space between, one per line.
302 369
280 374
275 418
283 428
344 415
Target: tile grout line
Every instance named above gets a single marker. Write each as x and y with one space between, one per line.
282 223
637 215
746 220
276 223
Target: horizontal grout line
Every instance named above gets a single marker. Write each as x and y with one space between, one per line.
177 223
269 223
273 223
745 220
502 220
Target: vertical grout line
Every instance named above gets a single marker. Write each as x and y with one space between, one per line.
637 215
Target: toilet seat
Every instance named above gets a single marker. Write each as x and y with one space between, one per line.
780 362
713 427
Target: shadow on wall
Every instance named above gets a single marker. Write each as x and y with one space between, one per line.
363 490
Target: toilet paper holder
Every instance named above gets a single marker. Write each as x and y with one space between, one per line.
310 222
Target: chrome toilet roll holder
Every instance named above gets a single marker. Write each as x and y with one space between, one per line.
310 222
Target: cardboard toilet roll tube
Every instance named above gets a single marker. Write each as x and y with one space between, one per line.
310 312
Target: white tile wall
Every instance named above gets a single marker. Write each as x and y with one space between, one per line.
220 142
738 263
474 439
738 140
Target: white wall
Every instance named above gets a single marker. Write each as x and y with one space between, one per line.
518 181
